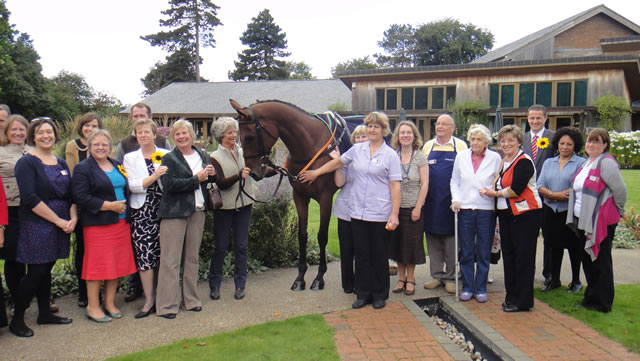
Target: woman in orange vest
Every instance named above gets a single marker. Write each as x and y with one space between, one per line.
520 215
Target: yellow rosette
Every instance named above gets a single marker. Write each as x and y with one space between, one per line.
157 157
121 170
542 143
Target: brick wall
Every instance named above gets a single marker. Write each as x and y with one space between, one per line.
588 33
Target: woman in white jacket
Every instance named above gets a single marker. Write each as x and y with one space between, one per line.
473 170
143 170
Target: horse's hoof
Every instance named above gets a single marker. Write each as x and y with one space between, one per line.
298 286
317 285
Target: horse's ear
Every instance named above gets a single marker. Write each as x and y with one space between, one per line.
239 109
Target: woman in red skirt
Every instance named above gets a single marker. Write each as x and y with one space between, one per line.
100 190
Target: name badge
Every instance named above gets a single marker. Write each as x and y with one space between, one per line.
432 161
375 161
450 159
594 178
64 172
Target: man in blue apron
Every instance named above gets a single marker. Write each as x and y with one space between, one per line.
438 217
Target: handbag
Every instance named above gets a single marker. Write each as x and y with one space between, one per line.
214 197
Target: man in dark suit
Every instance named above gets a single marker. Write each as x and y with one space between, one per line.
537 117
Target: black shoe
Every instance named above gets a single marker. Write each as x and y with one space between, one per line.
196 309
82 303
54 320
507 307
575 287
20 330
359 303
132 295
215 293
169 316
551 286
239 294
378 304
348 290
143 314
547 280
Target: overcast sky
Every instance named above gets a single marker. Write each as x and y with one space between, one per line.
101 39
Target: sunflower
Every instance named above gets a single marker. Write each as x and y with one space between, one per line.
121 170
156 157
542 143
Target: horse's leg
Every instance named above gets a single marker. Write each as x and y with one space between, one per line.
323 238
302 207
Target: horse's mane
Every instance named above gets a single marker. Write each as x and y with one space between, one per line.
285 103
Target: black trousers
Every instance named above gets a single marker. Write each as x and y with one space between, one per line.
13 270
371 240
347 253
599 274
559 236
37 282
79 258
519 239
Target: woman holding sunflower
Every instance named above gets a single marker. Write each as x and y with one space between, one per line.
100 190
144 169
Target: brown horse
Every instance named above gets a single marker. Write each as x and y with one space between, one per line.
261 125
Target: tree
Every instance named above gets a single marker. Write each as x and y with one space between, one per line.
299 70
364 63
449 41
193 22
179 66
267 46
400 43
611 109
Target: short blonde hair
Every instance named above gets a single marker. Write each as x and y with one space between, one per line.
482 131
417 139
100 132
359 130
183 123
220 125
142 122
378 118
511 129
4 140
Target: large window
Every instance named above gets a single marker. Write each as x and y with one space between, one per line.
549 94
419 98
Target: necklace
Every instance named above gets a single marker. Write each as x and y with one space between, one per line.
405 170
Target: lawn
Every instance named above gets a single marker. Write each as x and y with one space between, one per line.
622 324
305 337
632 180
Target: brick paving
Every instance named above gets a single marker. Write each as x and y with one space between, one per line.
395 333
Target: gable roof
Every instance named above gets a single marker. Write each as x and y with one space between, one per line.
213 97
553 30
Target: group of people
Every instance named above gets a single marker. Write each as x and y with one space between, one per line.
394 195
143 214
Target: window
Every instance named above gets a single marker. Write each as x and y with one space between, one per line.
379 99
422 98
580 93
525 99
506 96
543 94
407 98
494 95
451 95
392 99
562 122
563 95
437 98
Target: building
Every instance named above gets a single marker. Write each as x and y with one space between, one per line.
203 102
566 67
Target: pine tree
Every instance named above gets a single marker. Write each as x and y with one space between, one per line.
193 22
267 46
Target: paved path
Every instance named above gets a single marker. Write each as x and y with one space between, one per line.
268 294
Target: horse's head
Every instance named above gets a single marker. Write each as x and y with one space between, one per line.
256 139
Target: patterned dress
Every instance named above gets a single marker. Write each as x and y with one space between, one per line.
40 240
145 227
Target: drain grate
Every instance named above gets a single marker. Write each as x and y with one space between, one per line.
456 331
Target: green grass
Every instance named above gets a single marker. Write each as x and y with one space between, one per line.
314 223
305 337
632 180
622 324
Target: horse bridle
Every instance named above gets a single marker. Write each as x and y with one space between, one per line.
264 159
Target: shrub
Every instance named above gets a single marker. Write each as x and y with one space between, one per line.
625 147
624 238
467 113
611 109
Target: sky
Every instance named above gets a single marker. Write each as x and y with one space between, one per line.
101 39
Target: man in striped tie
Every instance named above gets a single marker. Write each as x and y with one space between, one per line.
537 117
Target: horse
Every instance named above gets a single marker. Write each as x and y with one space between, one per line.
306 138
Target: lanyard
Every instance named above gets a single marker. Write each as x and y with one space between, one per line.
405 171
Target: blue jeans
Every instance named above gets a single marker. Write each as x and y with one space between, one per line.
475 235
